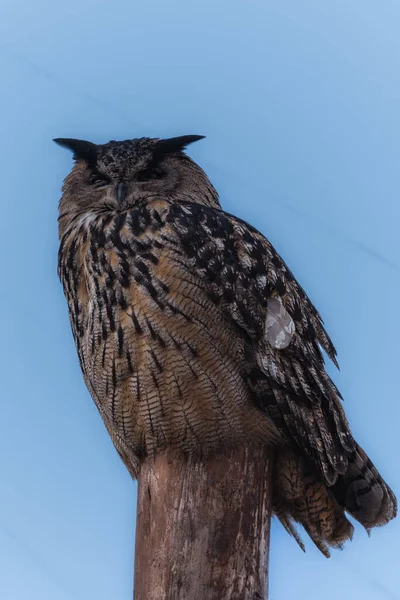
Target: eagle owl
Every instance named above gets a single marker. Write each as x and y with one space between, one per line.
192 333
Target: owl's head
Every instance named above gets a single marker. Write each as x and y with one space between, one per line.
117 175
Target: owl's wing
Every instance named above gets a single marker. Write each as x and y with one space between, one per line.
248 280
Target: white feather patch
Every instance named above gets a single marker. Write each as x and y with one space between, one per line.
279 325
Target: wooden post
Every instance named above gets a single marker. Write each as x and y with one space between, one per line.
203 526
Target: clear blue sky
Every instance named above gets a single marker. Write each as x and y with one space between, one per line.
300 105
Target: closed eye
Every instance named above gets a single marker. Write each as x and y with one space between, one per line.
98 179
150 174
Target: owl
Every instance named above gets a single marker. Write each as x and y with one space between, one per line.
193 334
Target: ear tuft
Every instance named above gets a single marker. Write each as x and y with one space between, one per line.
176 144
82 150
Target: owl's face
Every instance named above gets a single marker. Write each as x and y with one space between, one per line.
116 175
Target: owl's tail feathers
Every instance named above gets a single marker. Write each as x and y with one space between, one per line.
364 494
301 496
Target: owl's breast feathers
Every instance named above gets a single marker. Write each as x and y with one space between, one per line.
168 306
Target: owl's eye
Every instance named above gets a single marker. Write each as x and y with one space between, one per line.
98 179
150 174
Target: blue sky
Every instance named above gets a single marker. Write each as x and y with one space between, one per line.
299 102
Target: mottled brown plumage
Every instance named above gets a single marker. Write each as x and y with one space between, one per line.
168 300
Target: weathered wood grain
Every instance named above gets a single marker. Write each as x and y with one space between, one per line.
203 527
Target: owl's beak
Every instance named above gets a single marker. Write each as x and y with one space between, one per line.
121 192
